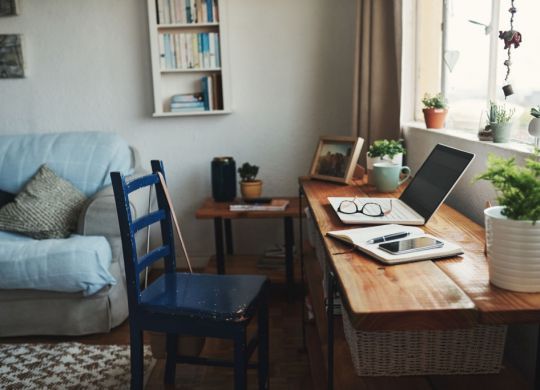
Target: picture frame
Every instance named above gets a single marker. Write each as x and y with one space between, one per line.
9 8
335 158
11 56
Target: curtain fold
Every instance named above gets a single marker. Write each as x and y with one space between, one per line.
377 79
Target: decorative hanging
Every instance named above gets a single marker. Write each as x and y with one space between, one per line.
510 37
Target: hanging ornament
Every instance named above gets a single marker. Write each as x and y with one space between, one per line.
510 37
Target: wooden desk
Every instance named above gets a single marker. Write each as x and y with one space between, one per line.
220 213
446 294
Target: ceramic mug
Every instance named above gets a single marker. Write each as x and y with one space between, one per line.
386 176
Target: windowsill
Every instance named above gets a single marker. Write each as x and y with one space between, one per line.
517 147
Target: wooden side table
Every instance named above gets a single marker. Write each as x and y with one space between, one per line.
222 216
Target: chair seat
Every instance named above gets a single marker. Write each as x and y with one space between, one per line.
204 296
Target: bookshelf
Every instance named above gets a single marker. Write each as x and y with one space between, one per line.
189 57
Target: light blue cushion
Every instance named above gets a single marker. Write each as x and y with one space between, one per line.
85 159
77 263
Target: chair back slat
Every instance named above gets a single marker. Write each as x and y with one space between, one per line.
147 220
151 257
128 228
140 182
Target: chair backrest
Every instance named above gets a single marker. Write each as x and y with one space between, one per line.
129 227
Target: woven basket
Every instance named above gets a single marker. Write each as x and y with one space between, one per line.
477 350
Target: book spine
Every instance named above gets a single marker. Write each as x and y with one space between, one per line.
210 93
186 104
194 51
182 7
160 13
161 42
188 12
218 52
167 51
204 86
215 11
209 10
206 56
200 50
188 98
172 11
212 50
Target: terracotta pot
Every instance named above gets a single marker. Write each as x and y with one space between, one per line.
435 117
251 189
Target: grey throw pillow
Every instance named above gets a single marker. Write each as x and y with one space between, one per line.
47 207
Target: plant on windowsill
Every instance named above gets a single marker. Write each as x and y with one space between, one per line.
435 110
384 150
249 186
534 125
512 231
499 117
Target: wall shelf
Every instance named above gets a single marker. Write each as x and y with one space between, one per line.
189 59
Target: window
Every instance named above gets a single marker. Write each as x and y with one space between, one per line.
470 68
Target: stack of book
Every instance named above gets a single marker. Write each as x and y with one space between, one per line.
187 102
189 51
186 11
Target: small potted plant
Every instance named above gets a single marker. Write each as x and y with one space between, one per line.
512 231
249 186
435 110
384 150
499 117
534 124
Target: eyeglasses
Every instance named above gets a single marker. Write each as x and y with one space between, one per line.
369 209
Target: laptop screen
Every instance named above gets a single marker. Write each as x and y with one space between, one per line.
435 179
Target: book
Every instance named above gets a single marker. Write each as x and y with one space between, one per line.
274 205
187 104
187 97
359 237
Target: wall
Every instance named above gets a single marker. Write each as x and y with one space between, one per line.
88 68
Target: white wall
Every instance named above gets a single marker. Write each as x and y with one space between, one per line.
88 68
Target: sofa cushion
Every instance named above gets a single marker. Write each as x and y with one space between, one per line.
84 159
77 263
47 207
6 197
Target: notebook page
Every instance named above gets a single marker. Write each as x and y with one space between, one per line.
361 235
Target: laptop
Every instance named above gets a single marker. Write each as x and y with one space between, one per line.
433 182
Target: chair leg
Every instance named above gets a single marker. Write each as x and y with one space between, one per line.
137 363
170 362
240 359
263 346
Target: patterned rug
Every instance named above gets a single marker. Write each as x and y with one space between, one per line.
67 366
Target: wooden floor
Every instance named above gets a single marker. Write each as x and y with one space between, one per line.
289 363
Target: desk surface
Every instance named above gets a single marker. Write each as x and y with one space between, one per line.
212 209
443 294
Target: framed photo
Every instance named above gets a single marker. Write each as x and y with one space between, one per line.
336 158
9 7
11 58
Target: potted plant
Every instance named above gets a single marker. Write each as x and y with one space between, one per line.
512 231
249 186
384 150
534 124
499 117
435 110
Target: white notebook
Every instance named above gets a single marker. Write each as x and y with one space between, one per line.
359 237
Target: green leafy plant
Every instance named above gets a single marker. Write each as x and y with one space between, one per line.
535 111
518 187
499 113
248 172
435 101
386 147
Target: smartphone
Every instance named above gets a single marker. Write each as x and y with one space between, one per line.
410 245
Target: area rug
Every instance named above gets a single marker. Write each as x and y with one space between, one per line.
68 366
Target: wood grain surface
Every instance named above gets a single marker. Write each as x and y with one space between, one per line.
443 294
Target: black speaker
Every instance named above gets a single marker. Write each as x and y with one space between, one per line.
223 179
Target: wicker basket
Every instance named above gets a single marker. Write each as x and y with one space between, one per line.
477 350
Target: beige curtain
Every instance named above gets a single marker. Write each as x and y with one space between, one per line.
377 81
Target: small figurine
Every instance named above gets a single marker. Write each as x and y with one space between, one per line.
510 37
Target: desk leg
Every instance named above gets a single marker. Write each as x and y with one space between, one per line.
537 371
220 253
228 237
302 276
289 255
330 325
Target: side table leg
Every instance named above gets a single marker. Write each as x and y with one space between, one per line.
229 237
220 253
289 255
302 276
330 325
537 369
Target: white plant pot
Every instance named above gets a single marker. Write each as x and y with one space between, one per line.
513 252
398 159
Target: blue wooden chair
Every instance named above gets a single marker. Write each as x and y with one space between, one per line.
203 305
